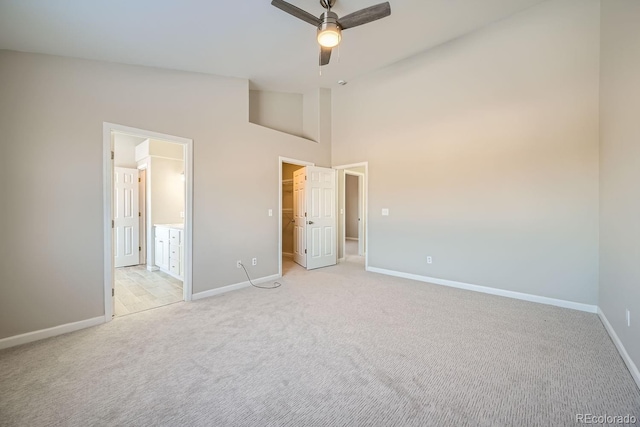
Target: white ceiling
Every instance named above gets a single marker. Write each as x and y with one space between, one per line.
240 38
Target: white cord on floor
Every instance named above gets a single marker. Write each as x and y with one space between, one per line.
276 284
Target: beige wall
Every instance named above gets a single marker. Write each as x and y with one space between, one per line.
52 109
166 149
620 170
167 190
485 150
124 155
277 110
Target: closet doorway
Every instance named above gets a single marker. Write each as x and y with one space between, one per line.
287 167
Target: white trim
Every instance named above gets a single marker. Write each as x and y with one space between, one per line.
352 165
282 160
351 238
487 290
235 287
107 203
187 284
49 332
287 254
623 351
366 207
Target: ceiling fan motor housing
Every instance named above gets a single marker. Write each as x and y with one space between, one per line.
328 18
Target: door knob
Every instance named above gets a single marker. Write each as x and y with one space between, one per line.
310 222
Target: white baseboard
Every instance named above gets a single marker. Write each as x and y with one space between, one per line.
49 332
152 268
623 351
487 290
351 238
235 287
287 254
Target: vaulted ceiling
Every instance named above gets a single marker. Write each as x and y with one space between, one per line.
240 38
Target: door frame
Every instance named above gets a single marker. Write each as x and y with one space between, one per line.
107 190
365 211
361 219
142 190
282 160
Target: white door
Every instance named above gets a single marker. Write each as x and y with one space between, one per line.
321 218
299 209
361 215
126 213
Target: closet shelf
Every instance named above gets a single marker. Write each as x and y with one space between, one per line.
287 210
287 182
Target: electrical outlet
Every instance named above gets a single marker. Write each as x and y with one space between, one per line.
181 214
254 261
628 318
239 264
429 260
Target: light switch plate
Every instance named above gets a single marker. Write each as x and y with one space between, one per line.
270 212
385 212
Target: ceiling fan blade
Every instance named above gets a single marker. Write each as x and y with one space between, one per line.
364 16
297 12
325 55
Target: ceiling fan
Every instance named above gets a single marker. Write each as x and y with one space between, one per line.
330 26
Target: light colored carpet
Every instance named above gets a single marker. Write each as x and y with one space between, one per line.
333 347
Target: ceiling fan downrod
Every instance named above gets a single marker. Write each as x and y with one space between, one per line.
327 4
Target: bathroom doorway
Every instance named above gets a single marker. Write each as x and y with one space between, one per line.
148 200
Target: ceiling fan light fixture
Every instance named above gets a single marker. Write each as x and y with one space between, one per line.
329 32
329 37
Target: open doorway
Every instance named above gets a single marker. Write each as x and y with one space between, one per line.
287 167
352 206
148 185
353 213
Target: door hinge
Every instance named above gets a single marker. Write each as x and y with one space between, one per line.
112 155
305 214
112 224
140 248
139 180
113 292
305 177
140 214
305 251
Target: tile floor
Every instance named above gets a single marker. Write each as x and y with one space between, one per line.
138 289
